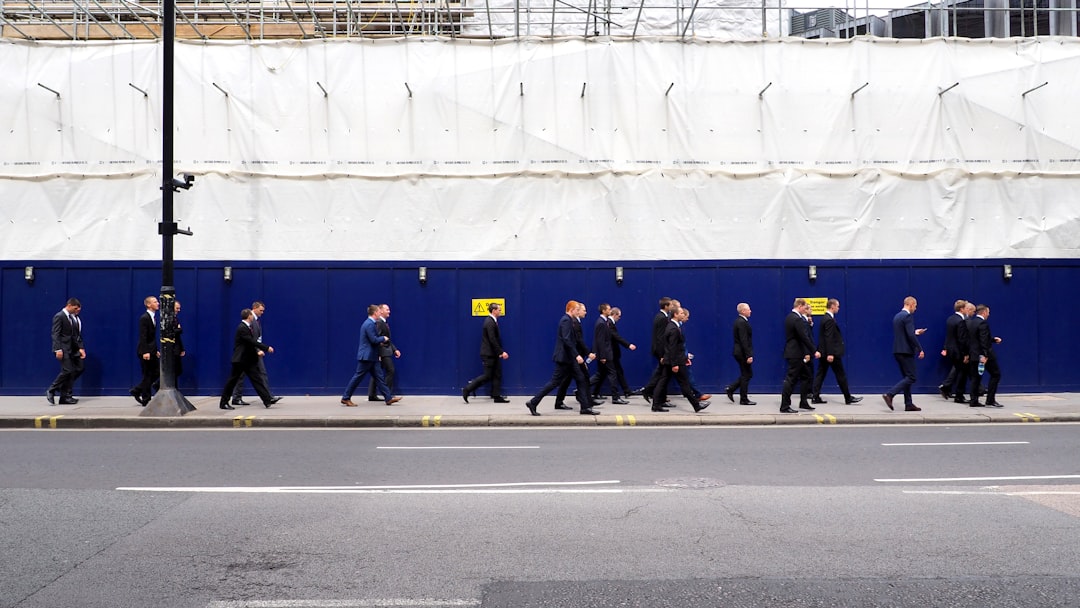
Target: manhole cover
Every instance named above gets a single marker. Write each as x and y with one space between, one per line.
689 482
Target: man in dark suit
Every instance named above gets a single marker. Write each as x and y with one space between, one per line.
659 325
905 349
982 352
568 361
676 362
587 356
148 352
387 352
245 360
798 350
956 350
491 356
743 351
258 309
618 343
67 346
605 347
367 360
179 352
832 349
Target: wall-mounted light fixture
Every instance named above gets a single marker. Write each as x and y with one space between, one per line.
423 275
812 273
618 275
28 274
228 274
1006 271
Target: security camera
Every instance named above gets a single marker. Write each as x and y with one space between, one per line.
186 183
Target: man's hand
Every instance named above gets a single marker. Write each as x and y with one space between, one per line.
817 355
632 347
675 368
397 354
270 349
504 356
921 354
579 359
944 353
146 357
829 358
919 332
59 355
749 360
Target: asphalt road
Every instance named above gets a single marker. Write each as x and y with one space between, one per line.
973 515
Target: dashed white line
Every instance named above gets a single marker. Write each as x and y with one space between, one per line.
524 487
376 603
457 447
1005 478
960 443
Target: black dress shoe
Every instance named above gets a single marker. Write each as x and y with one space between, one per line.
659 409
225 406
272 401
668 405
619 401
589 412
747 402
596 402
700 406
465 395
562 406
240 401
136 394
852 401
498 400
532 408
51 396
888 400
988 404
974 403
647 397
788 410
818 400
806 406
67 401
944 391
960 400
912 408
374 399
730 392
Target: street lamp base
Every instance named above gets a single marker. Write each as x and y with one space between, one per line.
168 402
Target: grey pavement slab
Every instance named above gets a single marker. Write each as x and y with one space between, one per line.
450 411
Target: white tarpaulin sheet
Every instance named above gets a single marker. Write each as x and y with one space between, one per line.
546 150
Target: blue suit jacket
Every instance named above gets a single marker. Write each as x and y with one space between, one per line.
904 340
369 342
566 350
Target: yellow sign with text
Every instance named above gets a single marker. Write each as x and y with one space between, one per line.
480 306
817 305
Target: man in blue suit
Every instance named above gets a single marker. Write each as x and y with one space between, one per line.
367 361
568 362
905 348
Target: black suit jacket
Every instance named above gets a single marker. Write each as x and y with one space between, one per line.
905 342
387 348
674 345
830 340
659 326
245 347
602 344
982 342
64 335
565 343
147 335
743 335
797 343
956 336
490 340
617 341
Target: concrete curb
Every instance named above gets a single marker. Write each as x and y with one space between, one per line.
75 422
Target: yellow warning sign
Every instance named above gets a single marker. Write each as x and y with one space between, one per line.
817 305
480 306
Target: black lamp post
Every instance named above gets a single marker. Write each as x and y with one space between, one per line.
168 401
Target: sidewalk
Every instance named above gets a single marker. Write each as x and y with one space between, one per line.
446 411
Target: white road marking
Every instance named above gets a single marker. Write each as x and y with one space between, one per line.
962 443
525 487
994 493
383 603
458 447
1008 478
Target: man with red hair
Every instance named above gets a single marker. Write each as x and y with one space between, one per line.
568 363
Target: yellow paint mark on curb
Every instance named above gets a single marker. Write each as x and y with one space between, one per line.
627 420
1027 417
39 422
633 421
821 418
239 421
832 419
431 421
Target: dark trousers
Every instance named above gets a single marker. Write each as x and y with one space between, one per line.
363 369
251 371
956 381
657 373
151 370
387 363
492 373
566 372
560 397
620 376
71 367
798 372
907 368
993 370
746 372
837 366
605 372
660 393
259 370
